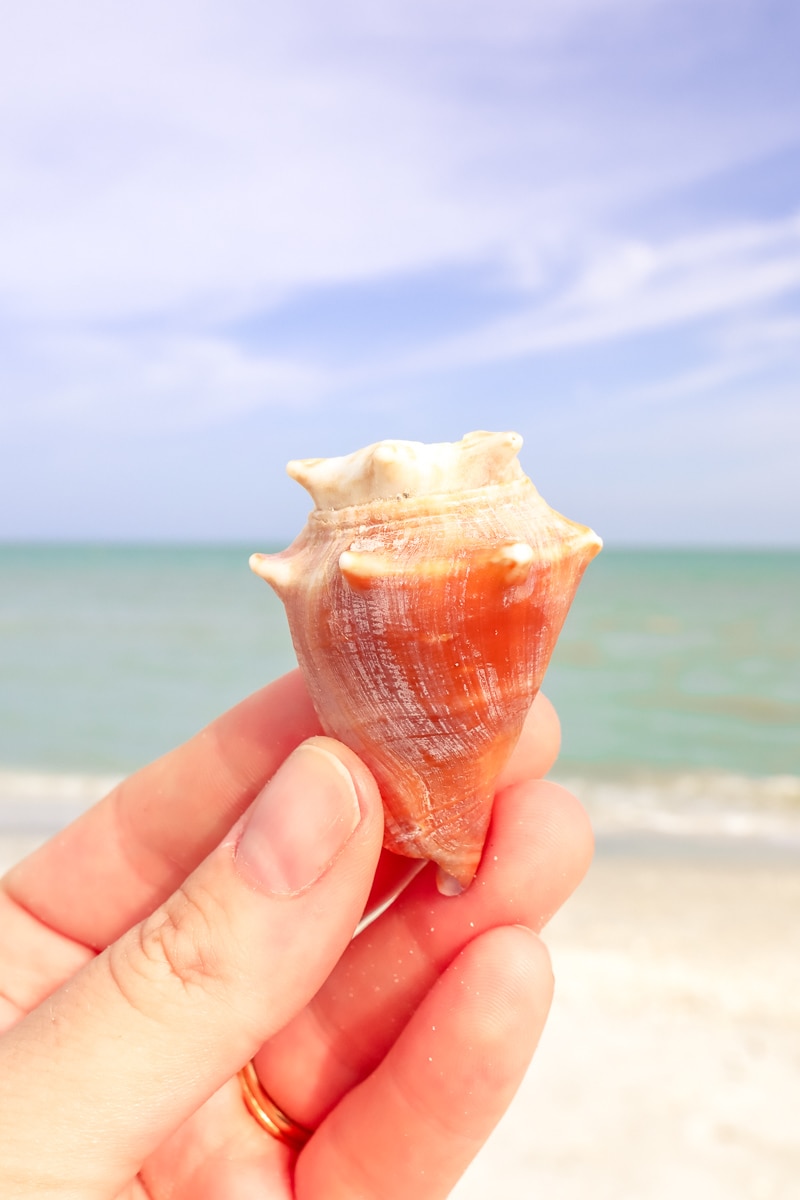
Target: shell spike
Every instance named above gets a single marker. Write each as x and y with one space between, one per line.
514 561
385 453
496 452
360 569
446 884
589 543
274 569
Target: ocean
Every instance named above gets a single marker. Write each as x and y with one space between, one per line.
677 679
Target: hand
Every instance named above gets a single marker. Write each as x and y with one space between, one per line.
202 915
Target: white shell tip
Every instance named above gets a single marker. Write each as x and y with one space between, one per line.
302 469
393 468
359 568
351 563
514 561
447 885
592 543
519 555
273 569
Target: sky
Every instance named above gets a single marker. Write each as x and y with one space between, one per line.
235 233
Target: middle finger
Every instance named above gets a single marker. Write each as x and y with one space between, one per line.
538 849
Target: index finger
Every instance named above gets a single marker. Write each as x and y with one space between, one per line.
125 855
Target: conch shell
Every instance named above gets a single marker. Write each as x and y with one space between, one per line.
424 599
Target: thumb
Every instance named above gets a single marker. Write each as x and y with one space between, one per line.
146 1032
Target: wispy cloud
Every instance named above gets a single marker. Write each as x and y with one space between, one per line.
174 176
152 383
631 287
161 161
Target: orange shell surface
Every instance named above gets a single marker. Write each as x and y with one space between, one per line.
423 627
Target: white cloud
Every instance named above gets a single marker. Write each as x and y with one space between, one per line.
206 157
167 380
633 287
170 169
151 383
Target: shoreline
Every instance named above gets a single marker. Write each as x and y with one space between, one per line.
681 814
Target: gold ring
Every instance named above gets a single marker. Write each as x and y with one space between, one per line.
267 1113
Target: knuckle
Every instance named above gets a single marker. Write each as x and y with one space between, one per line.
177 948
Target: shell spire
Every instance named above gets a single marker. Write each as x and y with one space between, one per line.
424 599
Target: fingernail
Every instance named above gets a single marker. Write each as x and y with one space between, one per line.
300 822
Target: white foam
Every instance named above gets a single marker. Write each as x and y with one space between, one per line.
694 804
683 804
42 801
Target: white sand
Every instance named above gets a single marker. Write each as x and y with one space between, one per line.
670 1067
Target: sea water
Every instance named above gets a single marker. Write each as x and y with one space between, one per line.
677 677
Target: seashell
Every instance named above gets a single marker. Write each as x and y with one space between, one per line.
424 599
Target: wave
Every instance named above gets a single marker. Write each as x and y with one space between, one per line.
684 804
43 802
693 804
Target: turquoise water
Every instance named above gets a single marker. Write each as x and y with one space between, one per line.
111 655
670 661
683 660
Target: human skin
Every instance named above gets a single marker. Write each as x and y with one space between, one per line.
202 915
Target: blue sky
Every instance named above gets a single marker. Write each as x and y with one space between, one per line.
237 233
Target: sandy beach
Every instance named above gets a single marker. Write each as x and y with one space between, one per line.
670 1066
